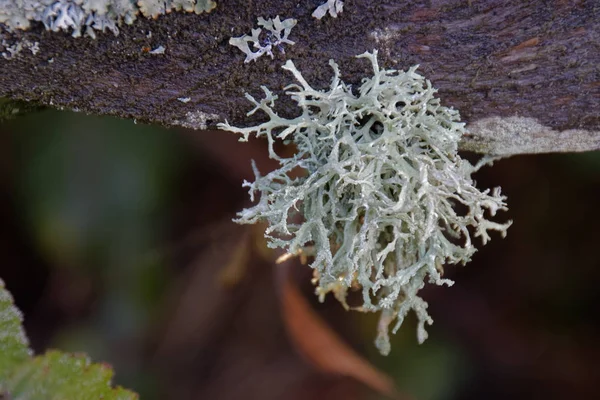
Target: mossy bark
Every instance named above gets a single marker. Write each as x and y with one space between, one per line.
494 58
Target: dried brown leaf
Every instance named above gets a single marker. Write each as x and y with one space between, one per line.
320 345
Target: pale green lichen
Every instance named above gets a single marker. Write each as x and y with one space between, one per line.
12 50
331 7
88 16
275 36
384 201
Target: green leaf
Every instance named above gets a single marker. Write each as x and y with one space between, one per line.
14 346
53 376
58 376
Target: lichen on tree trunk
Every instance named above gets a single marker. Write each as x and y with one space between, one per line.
536 61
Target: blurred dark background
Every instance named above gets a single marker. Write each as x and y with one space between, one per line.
116 240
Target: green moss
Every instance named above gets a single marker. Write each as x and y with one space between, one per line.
13 108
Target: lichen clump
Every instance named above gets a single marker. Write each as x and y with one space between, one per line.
384 201
275 36
87 16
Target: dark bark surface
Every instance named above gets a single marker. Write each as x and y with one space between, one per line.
536 59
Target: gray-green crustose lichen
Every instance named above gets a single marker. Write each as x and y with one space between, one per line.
87 16
384 201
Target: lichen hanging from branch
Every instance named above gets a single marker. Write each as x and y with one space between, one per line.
378 205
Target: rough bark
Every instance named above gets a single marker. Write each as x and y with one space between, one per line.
524 75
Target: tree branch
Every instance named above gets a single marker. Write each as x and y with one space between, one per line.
525 76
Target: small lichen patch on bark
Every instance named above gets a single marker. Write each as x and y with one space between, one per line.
88 16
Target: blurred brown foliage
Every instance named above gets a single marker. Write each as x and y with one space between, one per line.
117 240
